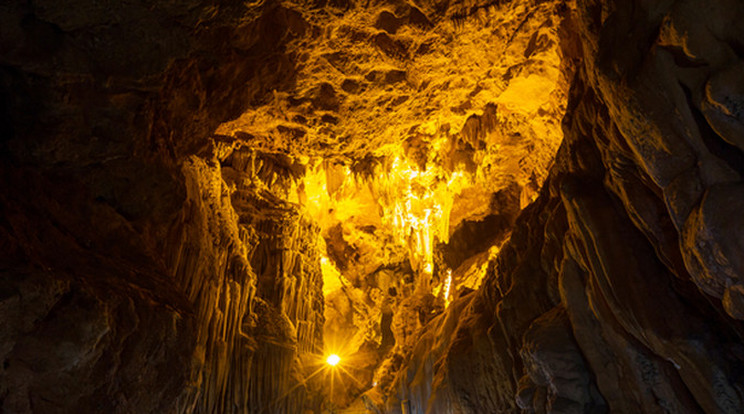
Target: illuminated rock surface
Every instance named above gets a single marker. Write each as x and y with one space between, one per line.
484 206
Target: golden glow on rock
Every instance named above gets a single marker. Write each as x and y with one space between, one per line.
405 136
450 115
331 276
399 199
415 212
447 286
333 360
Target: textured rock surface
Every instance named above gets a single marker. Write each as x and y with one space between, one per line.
618 288
132 281
178 181
412 139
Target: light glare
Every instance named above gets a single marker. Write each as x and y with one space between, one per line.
333 359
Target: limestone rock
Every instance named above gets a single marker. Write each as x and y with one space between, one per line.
199 201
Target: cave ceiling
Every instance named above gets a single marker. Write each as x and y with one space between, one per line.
402 121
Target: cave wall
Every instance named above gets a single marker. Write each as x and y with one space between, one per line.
131 280
618 289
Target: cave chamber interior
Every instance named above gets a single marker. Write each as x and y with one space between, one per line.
390 206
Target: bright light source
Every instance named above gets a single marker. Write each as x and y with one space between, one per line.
333 359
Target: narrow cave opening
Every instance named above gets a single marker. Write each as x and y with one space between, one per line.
390 173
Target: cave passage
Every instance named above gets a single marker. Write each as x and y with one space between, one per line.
412 154
390 206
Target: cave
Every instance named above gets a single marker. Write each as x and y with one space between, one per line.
390 206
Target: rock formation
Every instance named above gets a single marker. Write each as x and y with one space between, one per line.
483 206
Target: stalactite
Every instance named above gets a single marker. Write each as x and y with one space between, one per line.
244 370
